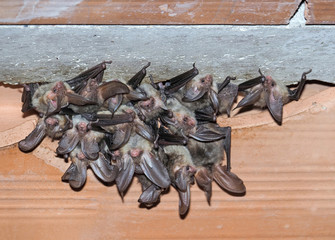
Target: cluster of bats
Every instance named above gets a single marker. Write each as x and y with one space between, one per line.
164 133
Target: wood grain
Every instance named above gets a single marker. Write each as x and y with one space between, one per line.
147 12
321 12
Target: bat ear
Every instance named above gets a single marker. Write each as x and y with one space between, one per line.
204 134
76 174
126 173
228 180
194 94
137 96
145 131
250 83
150 195
114 103
274 102
68 142
184 200
89 146
154 169
204 181
34 138
250 98
103 169
120 138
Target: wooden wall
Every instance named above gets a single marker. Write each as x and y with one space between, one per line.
163 12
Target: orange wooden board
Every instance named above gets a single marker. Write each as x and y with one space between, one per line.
288 170
320 12
147 12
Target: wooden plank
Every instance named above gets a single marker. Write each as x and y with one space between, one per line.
320 12
147 12
288 171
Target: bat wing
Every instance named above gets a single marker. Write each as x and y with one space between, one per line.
250 83
34 138
250 98
78 100
180 80
150 195
103 169
136 80
27 94
275 104
79 82
205 115
181 179
228 180
184 200
126 173
204 181
68 142
165 138
76 174
109 120
154 169
89 146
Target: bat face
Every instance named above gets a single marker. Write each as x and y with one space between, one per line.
49 98
196 89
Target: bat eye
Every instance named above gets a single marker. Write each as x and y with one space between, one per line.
272 84
185 119
187 168
54 90
202 80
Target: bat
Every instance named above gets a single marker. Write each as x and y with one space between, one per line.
208 158
178 162
135 91
76 174
266 92
150 196
53 126
80 134
138 157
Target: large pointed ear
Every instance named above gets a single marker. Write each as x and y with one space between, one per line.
68 142
154 169
119 138
27 94
274 102
184 200
76 174
89 146
150 195
204 180
114 103
193 94
126 173
204 134
136 80
110 89
228 180
34 138
103 169
145 131
250 98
